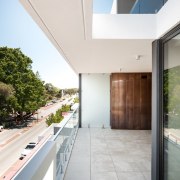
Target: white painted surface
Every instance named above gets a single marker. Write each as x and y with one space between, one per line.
119 38
95 100
124 26
168 17
50 172
70 33
137 26
114 7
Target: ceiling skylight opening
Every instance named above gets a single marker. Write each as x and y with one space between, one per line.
102 6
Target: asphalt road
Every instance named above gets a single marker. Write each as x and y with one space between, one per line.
7 134
11 151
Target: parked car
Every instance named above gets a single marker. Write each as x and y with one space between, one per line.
53 101
32 143
27 149
1 128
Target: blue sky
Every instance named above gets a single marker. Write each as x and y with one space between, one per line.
102 6
18 30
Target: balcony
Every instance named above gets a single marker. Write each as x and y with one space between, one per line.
90 154
101 154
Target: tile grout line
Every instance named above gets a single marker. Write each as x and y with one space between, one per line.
110 156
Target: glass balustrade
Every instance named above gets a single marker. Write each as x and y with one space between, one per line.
147 6
64 139
127 6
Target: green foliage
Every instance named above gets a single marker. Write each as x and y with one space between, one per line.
50 119
6 90
55 118
65 108
52 91
76 100
7 99
172 90
15 69
171 94
71 91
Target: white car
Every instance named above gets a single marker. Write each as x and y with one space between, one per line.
27 149
1 128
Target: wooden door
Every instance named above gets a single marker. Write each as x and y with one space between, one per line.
131 100
117 102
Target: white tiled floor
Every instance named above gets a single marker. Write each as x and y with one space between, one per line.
106 154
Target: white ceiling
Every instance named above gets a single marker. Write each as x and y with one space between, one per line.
68 25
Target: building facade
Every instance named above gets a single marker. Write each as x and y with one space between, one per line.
122 57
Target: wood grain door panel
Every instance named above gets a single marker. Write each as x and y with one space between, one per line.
131 100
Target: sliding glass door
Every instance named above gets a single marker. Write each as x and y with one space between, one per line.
171 109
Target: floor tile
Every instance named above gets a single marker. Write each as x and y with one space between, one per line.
106 154
131 176
104 176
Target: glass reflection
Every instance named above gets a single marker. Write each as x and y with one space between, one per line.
171 109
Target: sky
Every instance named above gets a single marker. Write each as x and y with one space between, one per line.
102 6
18 30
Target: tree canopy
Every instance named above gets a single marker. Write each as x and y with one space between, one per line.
52 91
7 99
17 75
71 91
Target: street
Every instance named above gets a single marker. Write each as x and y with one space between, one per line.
12 142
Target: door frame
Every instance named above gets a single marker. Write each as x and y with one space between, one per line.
157 172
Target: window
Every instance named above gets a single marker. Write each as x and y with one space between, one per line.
171 109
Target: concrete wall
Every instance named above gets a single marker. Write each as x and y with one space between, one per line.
95 100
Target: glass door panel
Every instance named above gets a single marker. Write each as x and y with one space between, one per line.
171 109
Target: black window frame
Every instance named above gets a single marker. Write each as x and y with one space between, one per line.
157 103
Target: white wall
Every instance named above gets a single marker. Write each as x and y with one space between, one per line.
124 26
137 26
96 100
168 17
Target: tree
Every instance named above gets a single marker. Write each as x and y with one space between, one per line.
51 91
71 91
6 90
7 100
15 69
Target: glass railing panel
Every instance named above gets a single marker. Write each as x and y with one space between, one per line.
128 6
64 139
147 6
136 8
